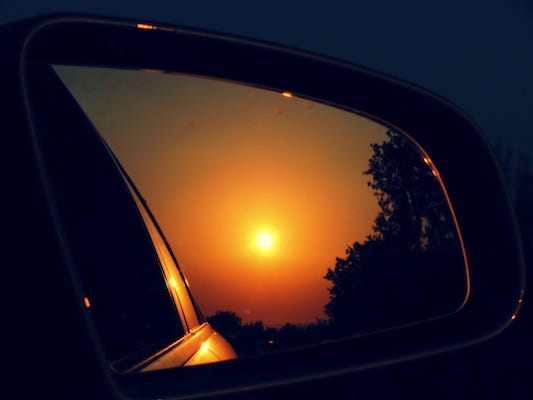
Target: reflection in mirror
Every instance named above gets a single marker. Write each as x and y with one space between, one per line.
294 222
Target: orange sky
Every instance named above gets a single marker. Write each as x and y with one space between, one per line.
221 163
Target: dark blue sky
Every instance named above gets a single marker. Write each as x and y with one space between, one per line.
478 54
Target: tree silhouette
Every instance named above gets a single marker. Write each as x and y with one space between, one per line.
516 169
414 211
411 266
226 323
523 200
408 269
519 177
253 338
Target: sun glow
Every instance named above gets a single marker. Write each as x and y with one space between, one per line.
269 196
265 240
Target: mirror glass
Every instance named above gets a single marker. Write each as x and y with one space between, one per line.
293 221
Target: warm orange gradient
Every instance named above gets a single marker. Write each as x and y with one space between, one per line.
257 192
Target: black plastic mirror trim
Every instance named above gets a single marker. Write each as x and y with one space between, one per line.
464 161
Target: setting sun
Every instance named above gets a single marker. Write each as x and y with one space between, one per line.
269 198
265 240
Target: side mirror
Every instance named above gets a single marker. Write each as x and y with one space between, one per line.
439 253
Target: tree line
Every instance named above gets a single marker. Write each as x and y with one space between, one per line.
408 269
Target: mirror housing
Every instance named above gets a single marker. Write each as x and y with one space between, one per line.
474 185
